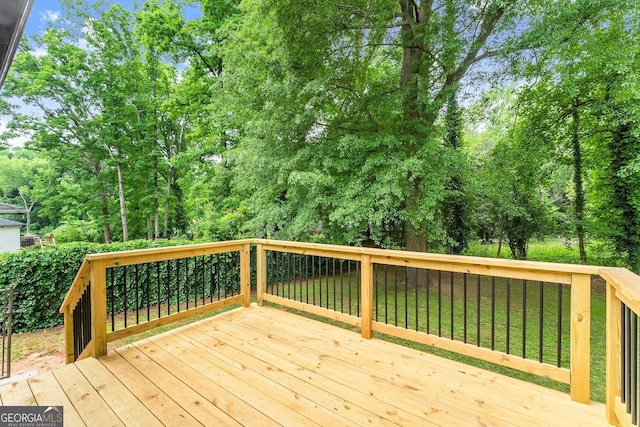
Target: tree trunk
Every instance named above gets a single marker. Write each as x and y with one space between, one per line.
165 231
103 203
156 207
105 215
577 183
149 227
123 206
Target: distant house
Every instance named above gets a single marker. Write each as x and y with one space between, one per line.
9 235
8 209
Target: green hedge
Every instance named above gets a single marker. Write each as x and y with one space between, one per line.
42 277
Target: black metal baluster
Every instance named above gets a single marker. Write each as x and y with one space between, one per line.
178 280
406 297
219 268
623 353
541 323
428 301
168 264
137 296
349 288
524 319
202 266
313 279
278 273
320 280
559 345
478 299
629 361
439 303
295 270
211 281
358 281
417 299
195 280
508 330
326 266
634 369
451 307
148 280
124 293
159 300
341 286
288 275
113 308
334 287
395 289
187 277
386 295
493 312
464 305
306 274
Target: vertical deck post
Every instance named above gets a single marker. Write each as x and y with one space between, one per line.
613 336
68 335
98 308
245 274
367 296
261 273
580 337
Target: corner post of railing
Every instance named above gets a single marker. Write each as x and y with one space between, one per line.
68 334
366 295
261 273
245 274
580 337
613 337
98 308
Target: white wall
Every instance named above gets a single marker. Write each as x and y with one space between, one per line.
9 239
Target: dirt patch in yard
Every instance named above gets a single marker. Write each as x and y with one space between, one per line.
37 351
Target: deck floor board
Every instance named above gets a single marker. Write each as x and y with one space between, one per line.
265 367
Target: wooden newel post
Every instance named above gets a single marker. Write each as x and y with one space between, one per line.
367 296
245 274
98 308
261 273
68 335
613 337
580 337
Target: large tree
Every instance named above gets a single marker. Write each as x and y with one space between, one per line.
345 102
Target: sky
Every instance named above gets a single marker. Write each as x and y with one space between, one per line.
43 13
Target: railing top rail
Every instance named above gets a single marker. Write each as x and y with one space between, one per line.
78 286
164 253
460 260
626 284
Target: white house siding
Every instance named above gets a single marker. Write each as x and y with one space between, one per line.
9 238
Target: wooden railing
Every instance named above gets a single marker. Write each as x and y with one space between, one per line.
416 271
623 346
434 299
134 291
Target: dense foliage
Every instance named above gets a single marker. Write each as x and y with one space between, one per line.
395 123
42 277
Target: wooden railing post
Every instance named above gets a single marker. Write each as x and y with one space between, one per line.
613 336
68 335
367 296
261 273
580 337
245 274
98 308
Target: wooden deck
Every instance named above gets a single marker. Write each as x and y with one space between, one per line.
261 366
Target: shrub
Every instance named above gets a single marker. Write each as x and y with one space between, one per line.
42 277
